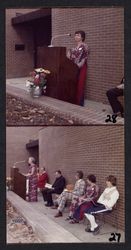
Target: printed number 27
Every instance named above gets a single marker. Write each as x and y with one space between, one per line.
115 237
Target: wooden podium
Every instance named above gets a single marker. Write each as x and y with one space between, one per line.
18 183
62 82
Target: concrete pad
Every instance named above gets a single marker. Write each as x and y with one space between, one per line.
51 229
91 113
46 229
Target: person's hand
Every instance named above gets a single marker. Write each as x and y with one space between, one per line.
81 200
69 54
27 174
120 86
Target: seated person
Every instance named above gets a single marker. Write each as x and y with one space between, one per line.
91 195
105 203
56 188
42 178
78 190
113 95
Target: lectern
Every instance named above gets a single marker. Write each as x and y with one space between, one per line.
62 82
18 182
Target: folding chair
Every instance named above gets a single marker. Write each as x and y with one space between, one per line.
102 215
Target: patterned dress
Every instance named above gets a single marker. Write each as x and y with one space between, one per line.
33 183
91 195
78 55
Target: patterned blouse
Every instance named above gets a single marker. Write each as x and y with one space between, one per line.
92 193
79 55
79 188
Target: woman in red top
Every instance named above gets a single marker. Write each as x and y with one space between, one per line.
79 56
42 178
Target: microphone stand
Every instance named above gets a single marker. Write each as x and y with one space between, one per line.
17 162
54 37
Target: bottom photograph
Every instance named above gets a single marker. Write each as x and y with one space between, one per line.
65 184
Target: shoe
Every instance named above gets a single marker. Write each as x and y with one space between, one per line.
119 114
48 205
73 221
69 218
88 230
96 230
54 207
59 214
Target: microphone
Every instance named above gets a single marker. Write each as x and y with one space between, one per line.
17 162
54 37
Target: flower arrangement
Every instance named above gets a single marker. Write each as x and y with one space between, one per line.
9 183
38 81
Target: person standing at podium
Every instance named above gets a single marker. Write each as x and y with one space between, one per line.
79 56
33 179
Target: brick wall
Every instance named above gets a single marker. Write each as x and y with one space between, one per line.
104 28
16 139
105 37
94 149
18 63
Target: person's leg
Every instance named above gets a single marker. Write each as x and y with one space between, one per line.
112 95
44 193
49 197
81 85
76 214
92 221
65 195
74 205
83 208
89 215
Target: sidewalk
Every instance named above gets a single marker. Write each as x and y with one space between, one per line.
57 230
91 113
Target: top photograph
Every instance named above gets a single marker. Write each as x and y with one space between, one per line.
64 66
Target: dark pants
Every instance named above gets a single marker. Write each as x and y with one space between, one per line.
112 95
47 195
96 208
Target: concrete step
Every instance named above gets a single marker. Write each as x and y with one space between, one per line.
90 114
45 229
51 229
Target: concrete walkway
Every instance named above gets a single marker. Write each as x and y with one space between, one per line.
91 113
57 230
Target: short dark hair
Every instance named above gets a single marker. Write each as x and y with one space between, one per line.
83 35
112 179
80 174
91 178
58 171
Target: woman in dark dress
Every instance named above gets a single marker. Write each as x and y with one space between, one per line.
79 56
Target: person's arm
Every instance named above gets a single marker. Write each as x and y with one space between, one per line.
80 64
80 190
68 54
120 86
60 185
84 56
112 201
32 171
92 195
101 198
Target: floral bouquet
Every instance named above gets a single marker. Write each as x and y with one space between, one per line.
8 183
38 82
